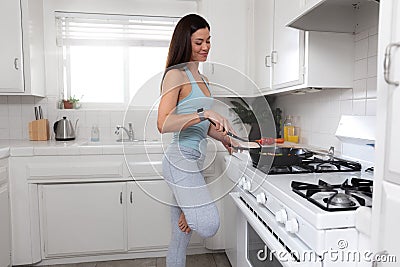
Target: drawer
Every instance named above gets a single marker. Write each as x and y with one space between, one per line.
145 165
74 170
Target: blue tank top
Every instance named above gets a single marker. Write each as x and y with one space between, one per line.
195 135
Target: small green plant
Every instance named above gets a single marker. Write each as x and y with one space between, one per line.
244 112
73 99
72 102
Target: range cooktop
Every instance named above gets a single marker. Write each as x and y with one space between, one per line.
314 164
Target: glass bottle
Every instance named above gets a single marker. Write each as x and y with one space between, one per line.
288 128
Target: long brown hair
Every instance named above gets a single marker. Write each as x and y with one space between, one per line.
180 48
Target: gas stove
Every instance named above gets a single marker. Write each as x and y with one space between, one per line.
307 209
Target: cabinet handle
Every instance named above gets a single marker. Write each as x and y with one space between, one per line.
131 197
274 57
16 63
120 197
267 59
386 63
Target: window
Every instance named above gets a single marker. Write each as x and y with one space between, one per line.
107 58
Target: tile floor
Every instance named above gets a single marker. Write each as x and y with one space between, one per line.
201 260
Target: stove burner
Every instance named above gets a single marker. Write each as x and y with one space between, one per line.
345 196
340 200
325 167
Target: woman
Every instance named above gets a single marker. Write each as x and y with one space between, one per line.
185 110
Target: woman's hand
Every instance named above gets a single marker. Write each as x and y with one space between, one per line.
230 144
222 125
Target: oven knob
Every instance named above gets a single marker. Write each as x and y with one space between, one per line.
247 185
261 198
281 216
292 226
241 180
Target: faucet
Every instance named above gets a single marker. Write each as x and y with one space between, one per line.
130 132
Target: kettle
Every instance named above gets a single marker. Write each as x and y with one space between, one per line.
63 129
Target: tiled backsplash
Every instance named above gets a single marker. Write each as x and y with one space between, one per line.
318 114
17 111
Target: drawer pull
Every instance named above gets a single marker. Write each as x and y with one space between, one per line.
16 63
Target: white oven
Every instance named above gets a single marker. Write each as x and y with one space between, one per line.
265 243
278 227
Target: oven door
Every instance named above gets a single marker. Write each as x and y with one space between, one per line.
264 248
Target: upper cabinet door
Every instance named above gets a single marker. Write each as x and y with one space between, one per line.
263 41
288 54
11 70
227 67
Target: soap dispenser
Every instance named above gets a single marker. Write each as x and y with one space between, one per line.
95 134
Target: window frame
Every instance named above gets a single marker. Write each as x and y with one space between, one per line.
64 64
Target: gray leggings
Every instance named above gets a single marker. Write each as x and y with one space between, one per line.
182 171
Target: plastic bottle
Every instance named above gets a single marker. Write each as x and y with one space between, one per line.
288 128
95 134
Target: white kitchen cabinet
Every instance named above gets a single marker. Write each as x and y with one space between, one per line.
227 66
11 78
386 201
263 28
84 218
70 206
298 59
288 46
149 224
5 229
22 48
278 50
335 16
149 219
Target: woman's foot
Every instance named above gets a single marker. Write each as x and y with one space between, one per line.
182 224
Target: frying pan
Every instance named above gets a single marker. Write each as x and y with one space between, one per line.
264 155
282 156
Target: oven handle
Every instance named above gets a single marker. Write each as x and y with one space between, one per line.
267 237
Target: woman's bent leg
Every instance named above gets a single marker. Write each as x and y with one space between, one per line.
176 256
183 175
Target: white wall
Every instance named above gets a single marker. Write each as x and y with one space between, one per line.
318 114
17 111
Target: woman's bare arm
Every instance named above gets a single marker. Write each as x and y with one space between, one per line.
167 120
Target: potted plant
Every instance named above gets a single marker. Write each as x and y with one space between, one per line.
71 102
246 116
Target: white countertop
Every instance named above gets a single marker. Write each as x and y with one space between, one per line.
22 148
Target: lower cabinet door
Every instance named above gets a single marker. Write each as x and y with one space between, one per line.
149 216
149 219
83 218
5 242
